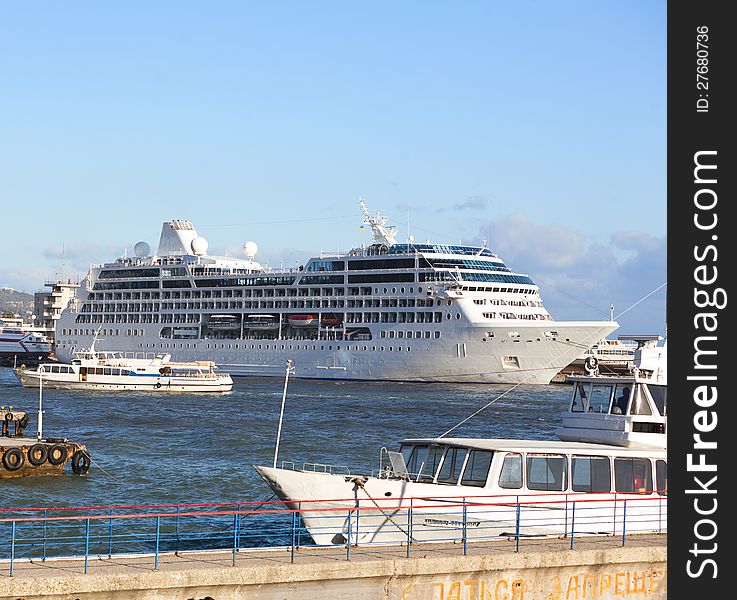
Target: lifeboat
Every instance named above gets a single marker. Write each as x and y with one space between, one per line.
303 320
331 320
261 322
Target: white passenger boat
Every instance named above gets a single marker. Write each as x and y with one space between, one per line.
383 311
104 370
605 475
19 345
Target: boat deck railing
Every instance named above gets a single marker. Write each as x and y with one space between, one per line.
95 532
316 468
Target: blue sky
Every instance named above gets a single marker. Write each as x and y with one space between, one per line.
540 126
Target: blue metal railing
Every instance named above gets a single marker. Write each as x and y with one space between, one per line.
84 532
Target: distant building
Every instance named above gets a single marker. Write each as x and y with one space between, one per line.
47 306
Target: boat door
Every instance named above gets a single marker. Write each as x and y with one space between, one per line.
83 373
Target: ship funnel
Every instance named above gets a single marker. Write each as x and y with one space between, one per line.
176 238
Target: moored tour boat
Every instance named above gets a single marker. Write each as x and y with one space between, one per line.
606 474
94 370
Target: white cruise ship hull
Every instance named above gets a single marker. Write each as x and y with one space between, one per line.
462 354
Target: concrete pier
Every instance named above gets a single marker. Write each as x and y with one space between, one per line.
596 568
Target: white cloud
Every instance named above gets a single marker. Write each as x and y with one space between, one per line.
579 278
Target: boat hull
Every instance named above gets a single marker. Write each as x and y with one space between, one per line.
465 354
379 510
144 384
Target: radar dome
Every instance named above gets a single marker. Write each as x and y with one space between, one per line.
142 249
250 249
199 246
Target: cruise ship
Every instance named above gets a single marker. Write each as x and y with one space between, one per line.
386 311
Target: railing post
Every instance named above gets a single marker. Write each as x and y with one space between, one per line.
110 536
86 544
358 516
235 535
158 531
517 526
43 557
624 522
294 532
573 521
238 512
348 540
409 526
12 548
465 527
176 527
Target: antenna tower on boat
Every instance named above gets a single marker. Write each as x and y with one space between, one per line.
382 234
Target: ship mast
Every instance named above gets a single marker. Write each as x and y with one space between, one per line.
382 235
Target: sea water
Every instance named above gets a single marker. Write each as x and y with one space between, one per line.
161 448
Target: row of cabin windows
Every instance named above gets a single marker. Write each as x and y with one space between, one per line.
546 472
536 472
292 292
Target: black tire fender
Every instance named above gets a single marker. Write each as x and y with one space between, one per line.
13 459
43 454
58 454
157 385
80 462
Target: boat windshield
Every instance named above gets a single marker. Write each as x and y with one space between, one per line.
659 396
448 465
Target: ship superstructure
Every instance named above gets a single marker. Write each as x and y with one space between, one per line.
386 311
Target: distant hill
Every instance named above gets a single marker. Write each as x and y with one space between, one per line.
19 303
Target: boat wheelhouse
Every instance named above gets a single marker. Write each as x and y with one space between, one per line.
386 311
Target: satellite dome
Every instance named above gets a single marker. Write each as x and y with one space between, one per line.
142 249
199 246
250 249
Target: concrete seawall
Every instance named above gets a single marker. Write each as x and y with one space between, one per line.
544 570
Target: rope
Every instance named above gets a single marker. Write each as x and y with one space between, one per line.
94 462
360 484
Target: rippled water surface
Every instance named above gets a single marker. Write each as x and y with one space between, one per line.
181 448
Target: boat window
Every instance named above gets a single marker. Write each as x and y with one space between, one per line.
477 468
621 402
415 458
452 465
600 398
632 475
107 371
659 394
429 466
580 398
546 472
591 474
661 477
511 475
640 404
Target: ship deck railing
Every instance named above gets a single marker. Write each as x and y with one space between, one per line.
150 531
